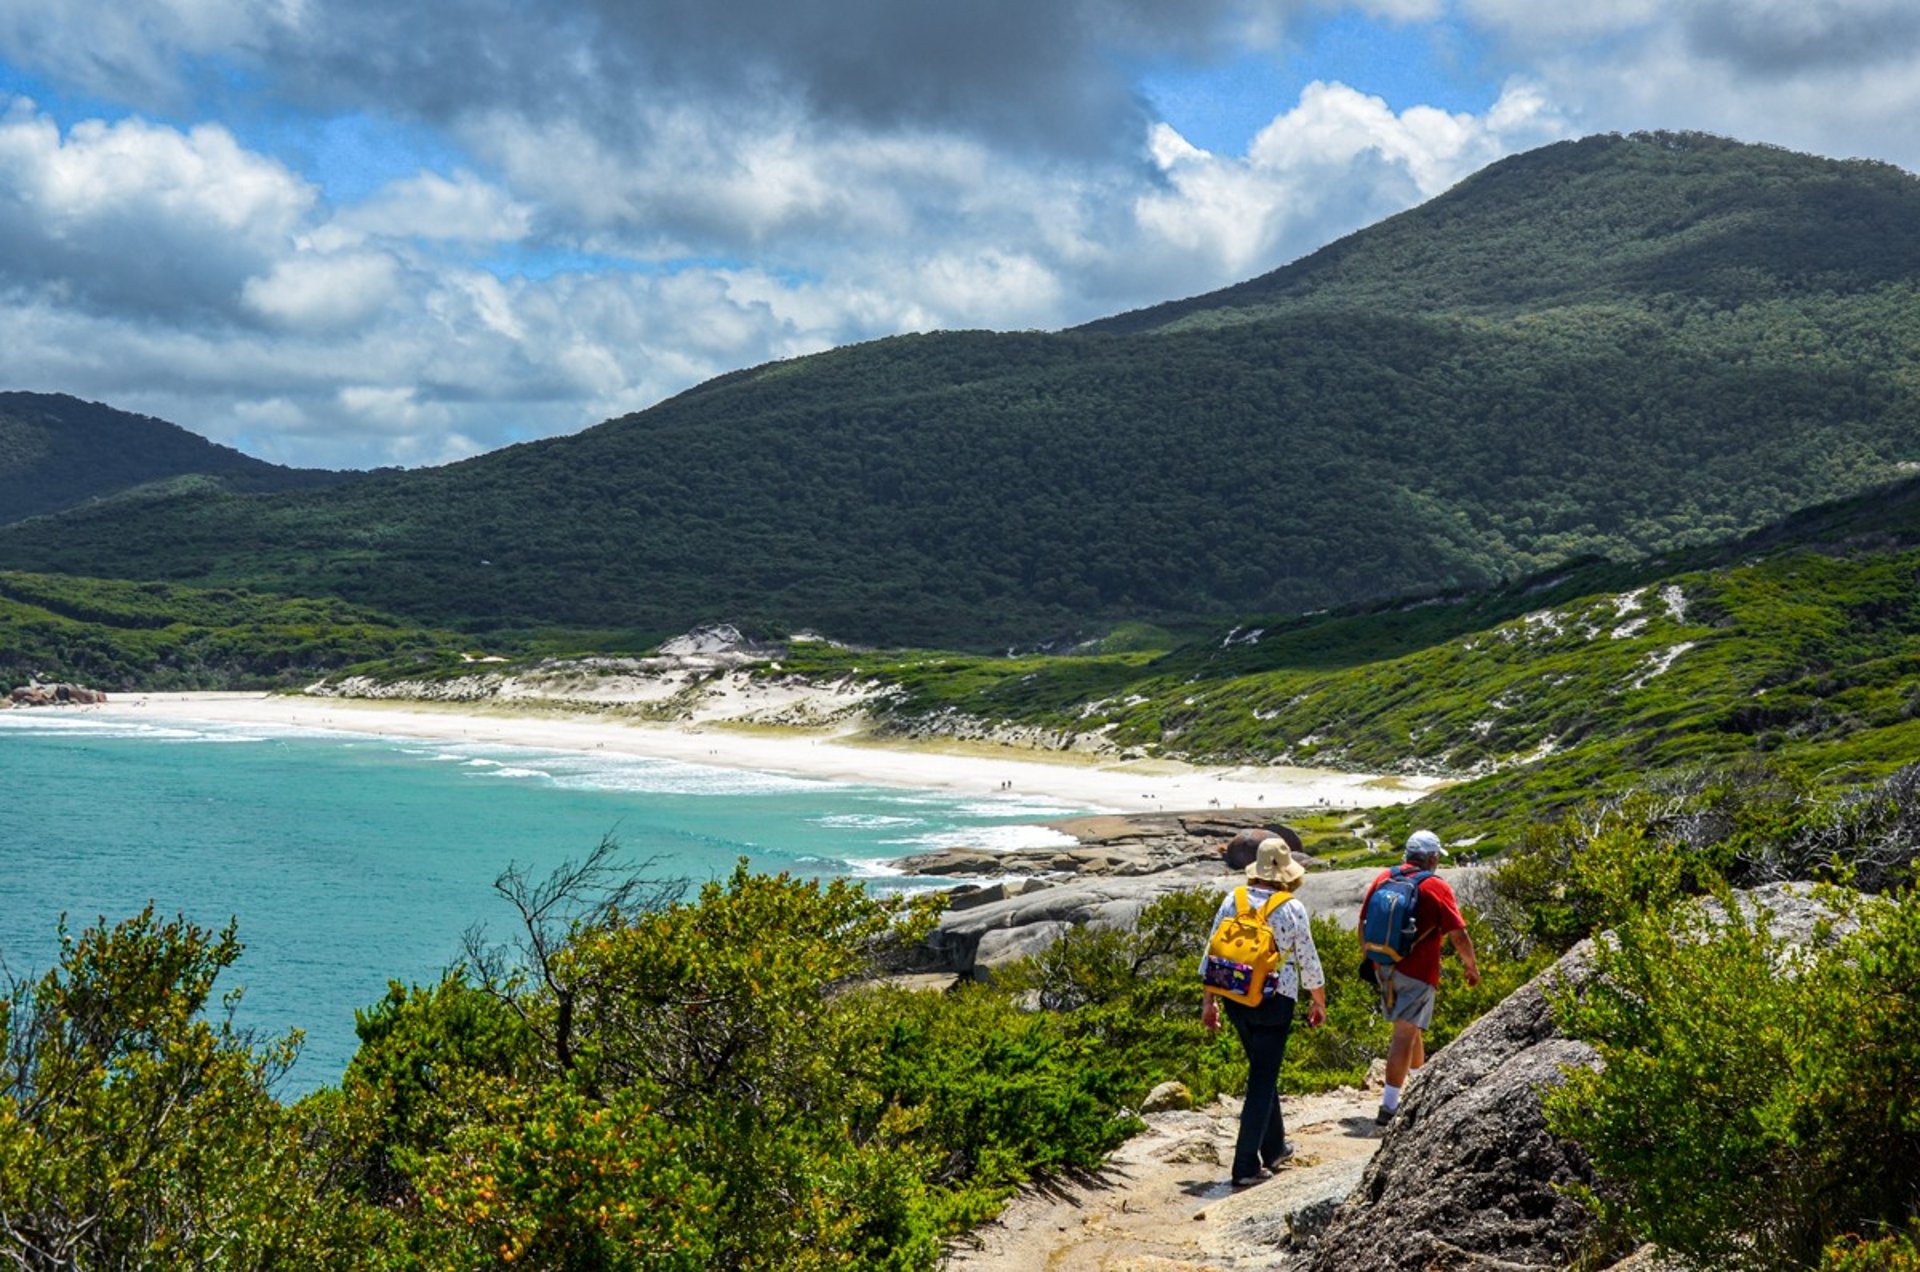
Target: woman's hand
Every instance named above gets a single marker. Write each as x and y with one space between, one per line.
1317 1012
1210 1014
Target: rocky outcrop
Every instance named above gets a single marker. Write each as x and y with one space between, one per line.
1468 1170
721 642
1110 844
974 940
701 678
1120 865
55 695
1468 1176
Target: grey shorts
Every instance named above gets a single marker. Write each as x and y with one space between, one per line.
1405 998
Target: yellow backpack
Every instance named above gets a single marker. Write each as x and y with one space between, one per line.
1243 956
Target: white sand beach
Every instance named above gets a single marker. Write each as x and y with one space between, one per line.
1087 781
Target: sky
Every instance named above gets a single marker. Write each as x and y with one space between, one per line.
357 233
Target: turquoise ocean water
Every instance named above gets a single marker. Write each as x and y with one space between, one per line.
349 860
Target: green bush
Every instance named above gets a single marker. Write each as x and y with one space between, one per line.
136 1131
1594 869
1756 1101
546 1177
994 1095
413 1043
1851 1253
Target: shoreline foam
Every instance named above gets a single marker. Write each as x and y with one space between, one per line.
1092 783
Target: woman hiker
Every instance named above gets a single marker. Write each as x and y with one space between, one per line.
1262 1143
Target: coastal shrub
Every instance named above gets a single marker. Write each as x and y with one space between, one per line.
1899 1252
544 1177
1596 867
1745 824
414 1043
137 1124
735 1017
734 1087
1869 838
1755 1103
994 1095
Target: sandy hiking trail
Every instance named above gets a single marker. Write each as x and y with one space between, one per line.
1162 1202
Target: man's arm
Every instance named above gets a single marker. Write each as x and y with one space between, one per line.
1463 946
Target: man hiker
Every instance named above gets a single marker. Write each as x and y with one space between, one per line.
1407 987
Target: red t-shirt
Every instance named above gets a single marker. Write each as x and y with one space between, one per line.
1435 914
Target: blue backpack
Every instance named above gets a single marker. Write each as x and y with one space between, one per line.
1388 930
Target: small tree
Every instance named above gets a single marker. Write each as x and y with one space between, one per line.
135 1131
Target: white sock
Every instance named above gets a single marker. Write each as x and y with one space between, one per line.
1390 1098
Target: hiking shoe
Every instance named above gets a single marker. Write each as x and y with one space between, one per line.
1286 1151
1247 1181
1384 1116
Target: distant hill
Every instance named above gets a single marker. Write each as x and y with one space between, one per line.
1685 218
1616 346
123 636
1798 646
57 451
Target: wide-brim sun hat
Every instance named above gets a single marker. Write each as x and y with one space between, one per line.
1274 863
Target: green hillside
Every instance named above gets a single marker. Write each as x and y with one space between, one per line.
153 636
57 451
1800 644
1618 346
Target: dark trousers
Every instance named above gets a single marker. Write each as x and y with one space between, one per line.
1263 1036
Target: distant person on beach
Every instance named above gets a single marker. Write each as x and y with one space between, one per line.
1263 1029
1407 988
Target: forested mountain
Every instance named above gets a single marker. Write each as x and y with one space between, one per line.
1619 346
1694 219
57 451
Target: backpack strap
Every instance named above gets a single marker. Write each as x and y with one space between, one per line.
1273 903
1419 877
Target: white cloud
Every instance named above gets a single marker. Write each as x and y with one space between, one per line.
396 410
1537 23
129 50
430 206
1395 10
987 288
322 293
703 183
1835 77
1338 160
137 214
